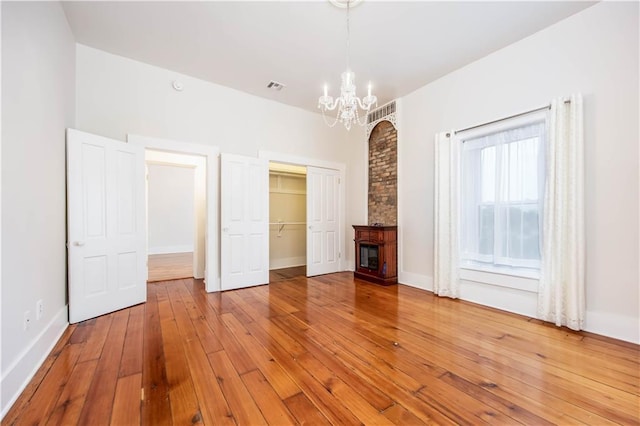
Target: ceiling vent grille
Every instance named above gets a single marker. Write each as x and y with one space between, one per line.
383 111
386 112
275 85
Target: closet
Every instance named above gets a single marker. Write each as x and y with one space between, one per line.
287 216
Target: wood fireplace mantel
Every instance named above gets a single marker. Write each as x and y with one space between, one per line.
376 254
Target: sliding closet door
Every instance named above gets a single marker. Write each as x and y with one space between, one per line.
244 221
323 221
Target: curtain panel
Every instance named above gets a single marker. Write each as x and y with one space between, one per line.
561 296
446 201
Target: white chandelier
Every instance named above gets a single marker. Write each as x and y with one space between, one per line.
347 104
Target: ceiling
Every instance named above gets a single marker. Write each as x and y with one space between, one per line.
397 46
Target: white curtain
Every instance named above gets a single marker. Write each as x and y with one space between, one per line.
561 297
446 200
501 196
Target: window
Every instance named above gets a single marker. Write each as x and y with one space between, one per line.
501 196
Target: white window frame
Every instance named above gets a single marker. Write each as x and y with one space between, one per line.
505 276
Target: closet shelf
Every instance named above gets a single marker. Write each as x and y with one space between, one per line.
287 223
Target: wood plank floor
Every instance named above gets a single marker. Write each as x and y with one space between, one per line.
326 350
276 275
171 266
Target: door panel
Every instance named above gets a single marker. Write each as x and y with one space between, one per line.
323 227
245 221
106 228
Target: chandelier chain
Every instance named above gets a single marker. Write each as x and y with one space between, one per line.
348 35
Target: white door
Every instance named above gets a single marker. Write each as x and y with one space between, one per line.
106 225
323 224
244 200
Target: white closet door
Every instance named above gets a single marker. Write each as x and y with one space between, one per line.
106 225
323 224
244 221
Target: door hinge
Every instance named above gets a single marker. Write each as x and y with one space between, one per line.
339 181
339 255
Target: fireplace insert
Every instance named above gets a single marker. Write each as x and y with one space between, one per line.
369 256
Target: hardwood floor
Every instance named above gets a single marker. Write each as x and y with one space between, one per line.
172 266
276 275
326 350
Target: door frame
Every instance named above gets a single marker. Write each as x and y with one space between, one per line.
211 153
306 161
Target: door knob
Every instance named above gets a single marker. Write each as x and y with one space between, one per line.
78 243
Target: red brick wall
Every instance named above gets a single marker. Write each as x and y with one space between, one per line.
383 174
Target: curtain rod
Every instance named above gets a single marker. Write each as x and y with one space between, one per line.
506 118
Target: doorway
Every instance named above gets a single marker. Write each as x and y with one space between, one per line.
176 209
205 249
287 221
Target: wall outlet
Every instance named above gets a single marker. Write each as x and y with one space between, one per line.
39 309
27 320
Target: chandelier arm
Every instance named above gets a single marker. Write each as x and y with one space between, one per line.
331 107
363 106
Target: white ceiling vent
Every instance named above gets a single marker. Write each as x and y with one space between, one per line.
274 85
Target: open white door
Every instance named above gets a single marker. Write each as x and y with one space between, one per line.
244 221
106 225
323 223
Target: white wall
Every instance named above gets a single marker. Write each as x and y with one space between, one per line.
357 187
594 52
116 96
38 67
171 213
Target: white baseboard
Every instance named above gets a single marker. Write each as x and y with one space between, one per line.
518 301
287 262
170 249
612 325
423 282
17 376
349 265
523 302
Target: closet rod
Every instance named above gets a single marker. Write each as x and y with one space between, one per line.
287 223
505 118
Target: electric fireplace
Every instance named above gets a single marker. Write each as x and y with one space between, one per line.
376 253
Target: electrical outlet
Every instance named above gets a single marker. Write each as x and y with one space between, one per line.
39 309
27 320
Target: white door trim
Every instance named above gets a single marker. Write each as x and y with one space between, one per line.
306 161
212 153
